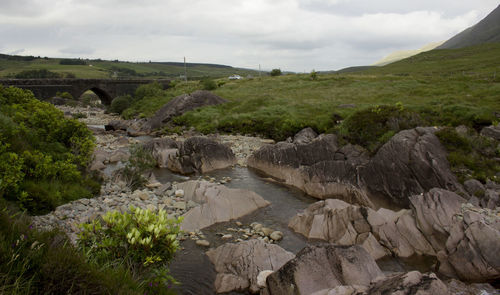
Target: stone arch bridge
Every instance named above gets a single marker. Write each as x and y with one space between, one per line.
106 89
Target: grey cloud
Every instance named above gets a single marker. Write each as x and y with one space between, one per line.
18 51
78 50
22 8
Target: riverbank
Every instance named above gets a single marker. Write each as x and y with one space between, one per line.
192 266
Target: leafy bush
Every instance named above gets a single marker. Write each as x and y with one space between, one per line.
79 115
120 103
313 75
372 127
275 72
64 94
146 242
140 161
470 156
208 84
149 90
33 262
39 147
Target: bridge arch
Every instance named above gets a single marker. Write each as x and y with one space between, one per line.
105 97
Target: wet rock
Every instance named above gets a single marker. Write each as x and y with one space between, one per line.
276 235
473 245
178 106
261 278
161 149
200 155
474 187
457 287
119 156
238 265
412 162
434 213
412 282
305 136
491 131
324 267
218 203
116 125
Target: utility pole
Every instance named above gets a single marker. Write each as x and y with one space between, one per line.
185 70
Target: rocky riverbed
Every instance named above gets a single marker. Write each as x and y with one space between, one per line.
241 254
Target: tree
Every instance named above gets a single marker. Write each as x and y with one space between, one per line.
276 72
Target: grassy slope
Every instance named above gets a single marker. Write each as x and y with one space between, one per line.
433 81
103 69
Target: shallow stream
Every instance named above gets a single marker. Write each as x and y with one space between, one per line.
192 268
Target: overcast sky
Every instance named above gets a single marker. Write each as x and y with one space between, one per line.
294 35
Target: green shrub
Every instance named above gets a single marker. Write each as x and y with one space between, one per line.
275 72
140 161
209 84
313 75
33 262
65 95
43 155
146 242
471 156
79 115
372 127
120 103
149 90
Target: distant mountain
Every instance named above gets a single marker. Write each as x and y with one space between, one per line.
402 54
486 31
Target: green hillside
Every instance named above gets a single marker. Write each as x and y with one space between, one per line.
486 31
480 60
441 87
10 66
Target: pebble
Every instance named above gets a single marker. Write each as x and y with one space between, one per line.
276 235
179 193
203 243
227 237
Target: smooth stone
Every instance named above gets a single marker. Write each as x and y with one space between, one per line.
203 243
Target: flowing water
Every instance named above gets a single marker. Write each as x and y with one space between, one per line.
191 266
194 270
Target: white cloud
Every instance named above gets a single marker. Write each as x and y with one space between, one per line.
291 34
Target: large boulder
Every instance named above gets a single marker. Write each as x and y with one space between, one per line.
472 248
464 238
162 149
412 162
381 233
434 213
314 165
200 155
324 267
239 265
179 105
217 203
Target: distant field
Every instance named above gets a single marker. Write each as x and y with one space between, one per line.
109 69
